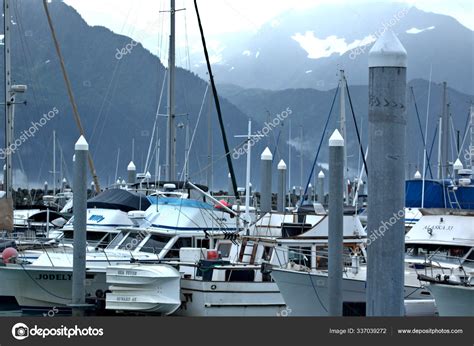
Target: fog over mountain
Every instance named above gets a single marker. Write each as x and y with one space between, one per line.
306 48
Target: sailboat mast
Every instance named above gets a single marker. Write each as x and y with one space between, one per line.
443 169
54 162
209 146
342 106
171 128
247 175
8 179
289 162
301 162
471 146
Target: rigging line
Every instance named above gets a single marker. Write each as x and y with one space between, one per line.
37 103
316 291
216 160
186 161
70 93
42 162
319 147
162 31
277 149
188 56
426 133
433 142
419 125
218 107
28 59
64 163
107 112
155 125
356 128
466 132
22 168
104 99
453 147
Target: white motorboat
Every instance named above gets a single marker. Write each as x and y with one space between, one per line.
238 281
454 295
168 225
440 242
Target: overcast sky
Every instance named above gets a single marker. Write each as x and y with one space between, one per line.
141 20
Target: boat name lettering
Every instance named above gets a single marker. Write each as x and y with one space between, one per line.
127 272
439 227
52 277
126 299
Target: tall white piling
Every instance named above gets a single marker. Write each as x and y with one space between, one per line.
336 213
281 186
230 188
386 179
80 225
132 173
321 177
266 181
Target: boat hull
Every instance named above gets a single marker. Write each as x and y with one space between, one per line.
306 294
44 288
223 298
147 289
453 300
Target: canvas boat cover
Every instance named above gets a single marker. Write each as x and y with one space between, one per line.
119 199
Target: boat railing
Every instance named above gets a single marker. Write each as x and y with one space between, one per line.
446 265
302 257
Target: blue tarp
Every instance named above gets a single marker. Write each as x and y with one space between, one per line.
436 194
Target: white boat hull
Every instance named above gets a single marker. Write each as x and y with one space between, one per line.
36 287
453 300
307 294
143 288
221 298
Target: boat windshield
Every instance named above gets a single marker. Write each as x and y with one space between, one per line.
118 238
156 243
131 241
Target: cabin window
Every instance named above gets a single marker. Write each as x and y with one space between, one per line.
202 243
181 242
118 238
267 253
131 242
155 244
300 255
95 236
240 275
470 258
224 249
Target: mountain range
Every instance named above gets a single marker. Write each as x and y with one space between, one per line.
118 94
